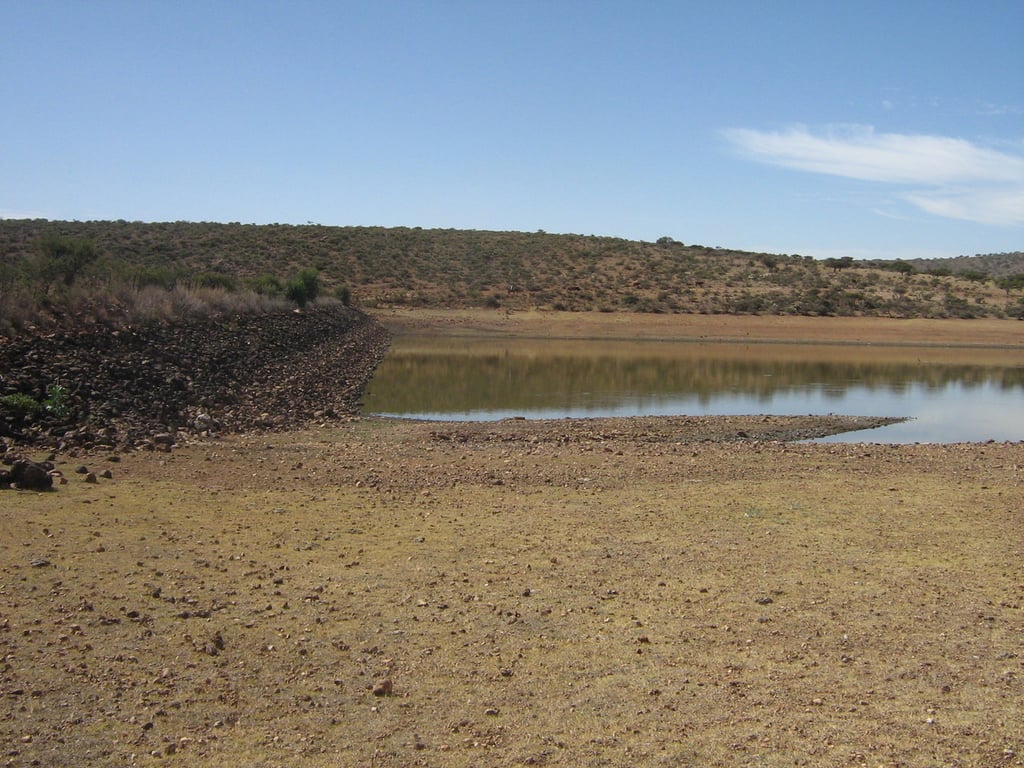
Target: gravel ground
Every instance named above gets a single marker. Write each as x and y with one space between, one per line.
607 592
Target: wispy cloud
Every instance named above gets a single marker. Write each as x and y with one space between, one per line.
953 177
986 206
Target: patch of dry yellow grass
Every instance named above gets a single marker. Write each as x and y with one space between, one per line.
635 600
767 328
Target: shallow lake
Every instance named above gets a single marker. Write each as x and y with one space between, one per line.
950 395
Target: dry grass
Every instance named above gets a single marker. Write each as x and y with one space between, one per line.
637 600
785 329
153 303
86 305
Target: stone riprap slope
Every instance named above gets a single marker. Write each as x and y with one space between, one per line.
151 385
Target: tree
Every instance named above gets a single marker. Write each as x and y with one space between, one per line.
839 264
63 258
1011 283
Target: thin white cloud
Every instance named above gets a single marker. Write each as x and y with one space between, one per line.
985 206
962 180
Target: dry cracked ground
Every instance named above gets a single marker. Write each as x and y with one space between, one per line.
617 593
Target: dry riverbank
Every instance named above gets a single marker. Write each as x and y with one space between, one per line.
1007 334
677 592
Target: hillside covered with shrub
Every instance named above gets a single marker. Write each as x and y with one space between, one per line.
115 271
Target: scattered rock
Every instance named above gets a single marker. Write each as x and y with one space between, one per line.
164 439
29 475
150 386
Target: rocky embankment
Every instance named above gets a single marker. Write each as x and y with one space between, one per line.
151 386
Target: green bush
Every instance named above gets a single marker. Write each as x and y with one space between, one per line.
162 277
64 258
56 401
21 404
266 285
303 288
215 280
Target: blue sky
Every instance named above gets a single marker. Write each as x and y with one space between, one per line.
869 129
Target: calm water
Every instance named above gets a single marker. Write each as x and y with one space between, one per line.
950 395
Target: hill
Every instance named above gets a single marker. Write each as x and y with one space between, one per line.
375 266
990 265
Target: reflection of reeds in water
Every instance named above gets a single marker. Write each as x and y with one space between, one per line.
565 375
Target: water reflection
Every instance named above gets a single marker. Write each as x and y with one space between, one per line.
952 395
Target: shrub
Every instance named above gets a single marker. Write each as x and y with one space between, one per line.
162 277
56 401
303 288
21 404
973 275
215 280
266 285
64 258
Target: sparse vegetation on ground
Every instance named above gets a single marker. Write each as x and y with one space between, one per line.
612 592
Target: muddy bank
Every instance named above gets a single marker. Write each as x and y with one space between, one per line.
654 429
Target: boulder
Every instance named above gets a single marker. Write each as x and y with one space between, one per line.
32 476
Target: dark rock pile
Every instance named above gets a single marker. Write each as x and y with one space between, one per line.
150 386
27 475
